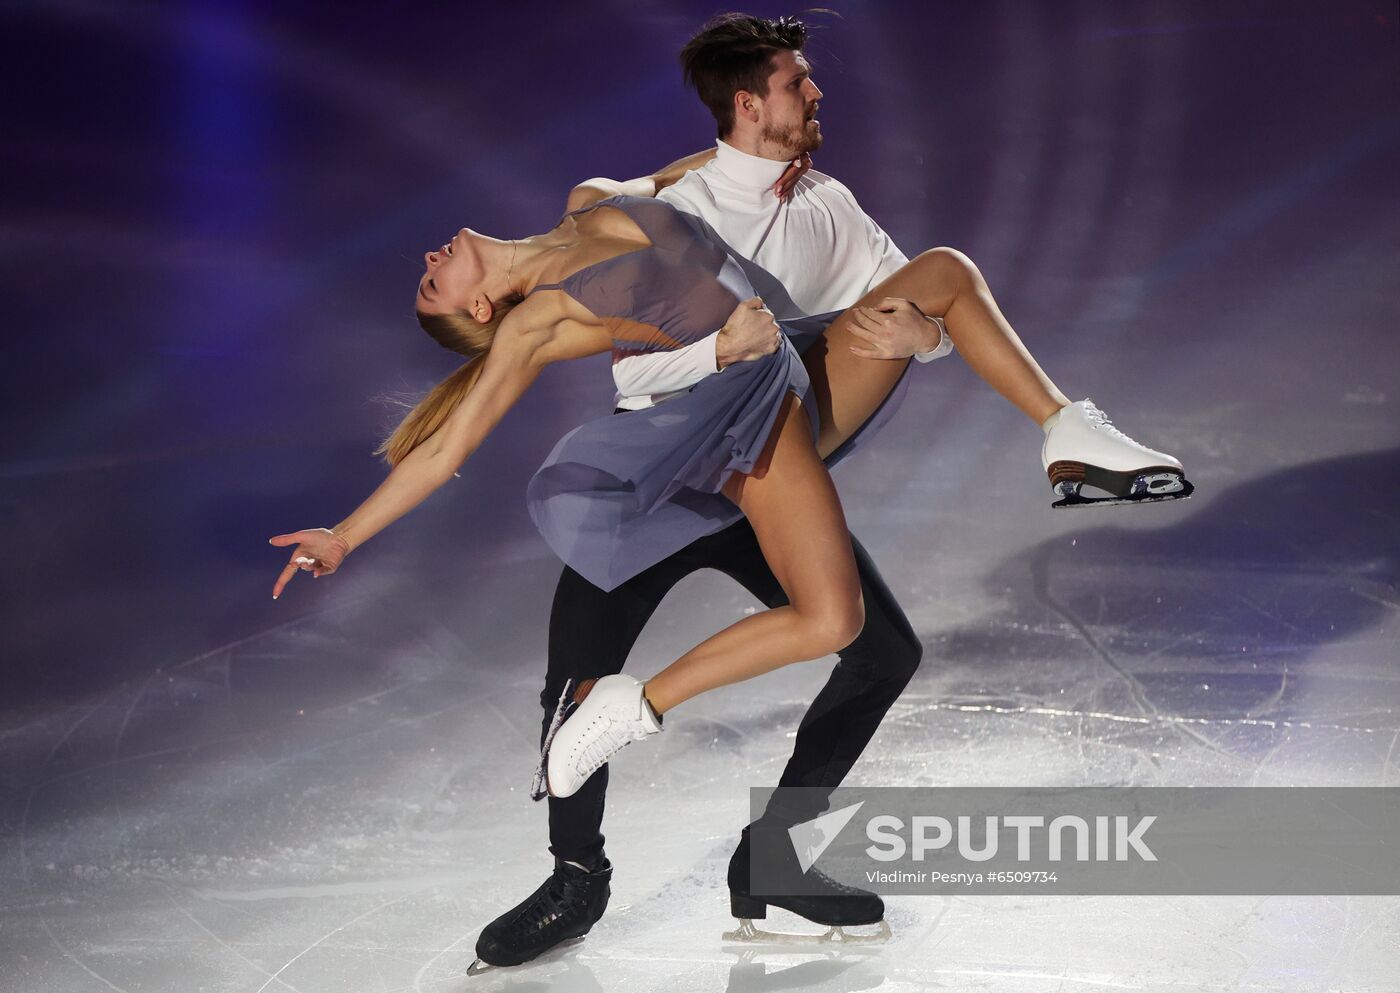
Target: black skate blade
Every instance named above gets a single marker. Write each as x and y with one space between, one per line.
1076 498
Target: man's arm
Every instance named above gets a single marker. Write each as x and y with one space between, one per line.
738 341
590 191
750 333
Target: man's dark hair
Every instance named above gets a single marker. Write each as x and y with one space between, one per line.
735 52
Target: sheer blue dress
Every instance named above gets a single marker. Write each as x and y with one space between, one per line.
623 492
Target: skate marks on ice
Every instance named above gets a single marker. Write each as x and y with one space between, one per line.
209 830
1259 627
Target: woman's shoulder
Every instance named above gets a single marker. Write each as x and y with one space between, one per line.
555 322
628 204
658 221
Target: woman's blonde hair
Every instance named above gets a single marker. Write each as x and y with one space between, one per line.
465 336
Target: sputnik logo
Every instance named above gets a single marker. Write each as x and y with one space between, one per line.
811 838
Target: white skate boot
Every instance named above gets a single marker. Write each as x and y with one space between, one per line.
1083 448
607 714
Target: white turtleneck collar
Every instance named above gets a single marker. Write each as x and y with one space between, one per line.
752 171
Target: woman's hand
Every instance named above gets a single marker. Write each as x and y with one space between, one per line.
319 551
750 333
787 182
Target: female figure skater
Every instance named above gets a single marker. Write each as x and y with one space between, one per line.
619 494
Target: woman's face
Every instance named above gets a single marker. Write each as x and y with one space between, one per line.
454 279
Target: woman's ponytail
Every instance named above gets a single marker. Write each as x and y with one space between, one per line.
459 333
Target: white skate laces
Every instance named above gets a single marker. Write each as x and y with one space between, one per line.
613 715
1084 448
1099 420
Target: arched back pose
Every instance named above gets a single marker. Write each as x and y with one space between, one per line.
622 493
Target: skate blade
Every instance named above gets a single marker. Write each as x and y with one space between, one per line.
746 933
1145 489
539 786
478 967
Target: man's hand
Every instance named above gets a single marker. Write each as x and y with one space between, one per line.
787 182
895 329
750 333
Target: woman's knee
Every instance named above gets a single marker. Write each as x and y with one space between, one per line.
834 625
948 265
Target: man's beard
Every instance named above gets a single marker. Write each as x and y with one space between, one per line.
793 140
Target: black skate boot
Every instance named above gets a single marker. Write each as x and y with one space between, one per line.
838 907
565 907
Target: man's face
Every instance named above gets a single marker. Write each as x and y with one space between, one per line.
787 115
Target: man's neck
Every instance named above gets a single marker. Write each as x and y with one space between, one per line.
748 171
752 143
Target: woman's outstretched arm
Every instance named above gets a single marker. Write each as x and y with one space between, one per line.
516 357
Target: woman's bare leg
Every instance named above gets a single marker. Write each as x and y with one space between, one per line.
943 283
793 507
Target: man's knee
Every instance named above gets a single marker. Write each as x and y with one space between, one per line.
905 655
886 651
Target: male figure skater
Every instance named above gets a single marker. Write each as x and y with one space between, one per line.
822 254
813 252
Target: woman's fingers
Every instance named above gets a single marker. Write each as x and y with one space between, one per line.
288 572
318 551
300 562
787 182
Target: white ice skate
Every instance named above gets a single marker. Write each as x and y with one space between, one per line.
607 714
1083 448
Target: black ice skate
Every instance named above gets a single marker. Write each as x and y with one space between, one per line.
1083 448
561 911
839 907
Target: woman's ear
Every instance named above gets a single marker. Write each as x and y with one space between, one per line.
482 309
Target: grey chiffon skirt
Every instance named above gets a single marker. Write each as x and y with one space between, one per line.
619 494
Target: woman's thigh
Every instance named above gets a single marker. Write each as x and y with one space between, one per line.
796 514
848 389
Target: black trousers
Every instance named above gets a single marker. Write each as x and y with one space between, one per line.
591 633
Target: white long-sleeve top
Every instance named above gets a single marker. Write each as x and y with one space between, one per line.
816 253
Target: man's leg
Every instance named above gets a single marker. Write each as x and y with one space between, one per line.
591 633
869 676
